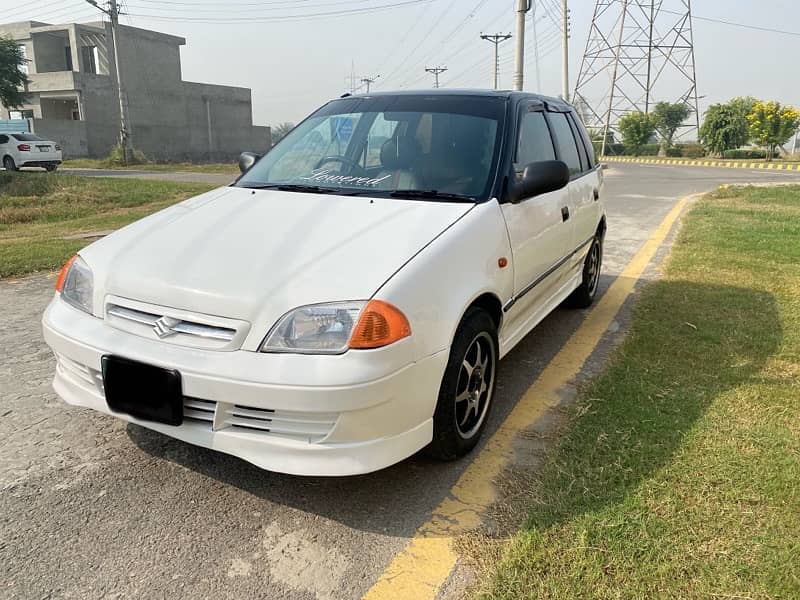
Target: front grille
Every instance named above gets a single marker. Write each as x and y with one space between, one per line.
175 326
306 427
204 331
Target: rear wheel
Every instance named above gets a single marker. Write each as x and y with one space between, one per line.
9 164
467 389
51 167
584 295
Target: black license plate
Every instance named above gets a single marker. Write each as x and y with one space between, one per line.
143 391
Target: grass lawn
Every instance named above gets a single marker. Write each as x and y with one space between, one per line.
678 474
37 211
98 163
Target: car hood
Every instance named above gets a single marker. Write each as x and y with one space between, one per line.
256 254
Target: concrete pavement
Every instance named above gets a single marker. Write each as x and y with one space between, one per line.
94 507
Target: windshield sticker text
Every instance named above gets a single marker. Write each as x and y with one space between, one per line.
326 176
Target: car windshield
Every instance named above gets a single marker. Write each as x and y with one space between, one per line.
26 137
424 147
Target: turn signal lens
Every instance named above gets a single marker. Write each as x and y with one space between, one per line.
63 274
380 324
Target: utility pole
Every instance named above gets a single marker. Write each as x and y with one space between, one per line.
565 51
496 39
436 72
369 81
124 128
523 6
536 48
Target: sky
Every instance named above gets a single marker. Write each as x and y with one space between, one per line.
294 62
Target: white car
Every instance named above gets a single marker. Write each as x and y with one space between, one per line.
343 304
28 150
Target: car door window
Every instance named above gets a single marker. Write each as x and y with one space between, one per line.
585 162
583 140
565 142
534 143
3 139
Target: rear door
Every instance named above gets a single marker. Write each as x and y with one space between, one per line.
584 183
537 229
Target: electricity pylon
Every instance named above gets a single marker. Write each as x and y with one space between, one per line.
639 52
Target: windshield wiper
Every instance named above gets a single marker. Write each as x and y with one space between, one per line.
290 187
432 194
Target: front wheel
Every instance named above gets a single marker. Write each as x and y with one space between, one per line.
9 164
467 389
584 294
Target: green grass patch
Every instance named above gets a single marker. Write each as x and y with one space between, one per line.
99 163
678 474
38 211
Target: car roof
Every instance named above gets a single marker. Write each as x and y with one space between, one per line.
509 94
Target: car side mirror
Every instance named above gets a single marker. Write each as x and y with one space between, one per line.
247 160
539 178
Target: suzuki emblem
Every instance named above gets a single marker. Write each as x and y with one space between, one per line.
164 327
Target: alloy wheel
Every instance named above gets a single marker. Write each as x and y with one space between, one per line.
475 385
593 268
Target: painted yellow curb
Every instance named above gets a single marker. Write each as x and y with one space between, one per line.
722 164
422 567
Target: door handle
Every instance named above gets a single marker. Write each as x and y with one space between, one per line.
596 194
565 213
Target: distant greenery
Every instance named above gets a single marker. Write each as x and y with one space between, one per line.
725 126
12 78
637 129
101 163
39 212
280 130
667 117
772 125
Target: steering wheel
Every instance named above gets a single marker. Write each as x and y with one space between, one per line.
354 166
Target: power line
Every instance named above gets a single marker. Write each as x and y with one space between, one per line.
734 24
279 18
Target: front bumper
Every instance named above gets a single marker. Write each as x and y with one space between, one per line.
305 415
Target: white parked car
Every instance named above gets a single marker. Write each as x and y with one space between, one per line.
28 150
343 304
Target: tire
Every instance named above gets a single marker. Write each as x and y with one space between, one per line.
51 168
9 164
467 389
584 294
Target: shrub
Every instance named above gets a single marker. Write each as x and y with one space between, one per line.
26 184
693 150
649 150
745 154
135 157
637 129
674 152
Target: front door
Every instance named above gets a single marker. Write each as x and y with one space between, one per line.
539 231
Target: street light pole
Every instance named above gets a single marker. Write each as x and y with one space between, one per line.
523 6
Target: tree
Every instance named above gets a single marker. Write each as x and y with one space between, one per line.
772 125
725 128
280 130
12 77
637 129
667 117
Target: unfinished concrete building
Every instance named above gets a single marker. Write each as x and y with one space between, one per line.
73 97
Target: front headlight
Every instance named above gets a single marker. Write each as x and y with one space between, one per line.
75 284
315 329
336 327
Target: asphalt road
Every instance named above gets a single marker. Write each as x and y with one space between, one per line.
92 507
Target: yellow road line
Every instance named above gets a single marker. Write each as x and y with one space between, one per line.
702 163
422 567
